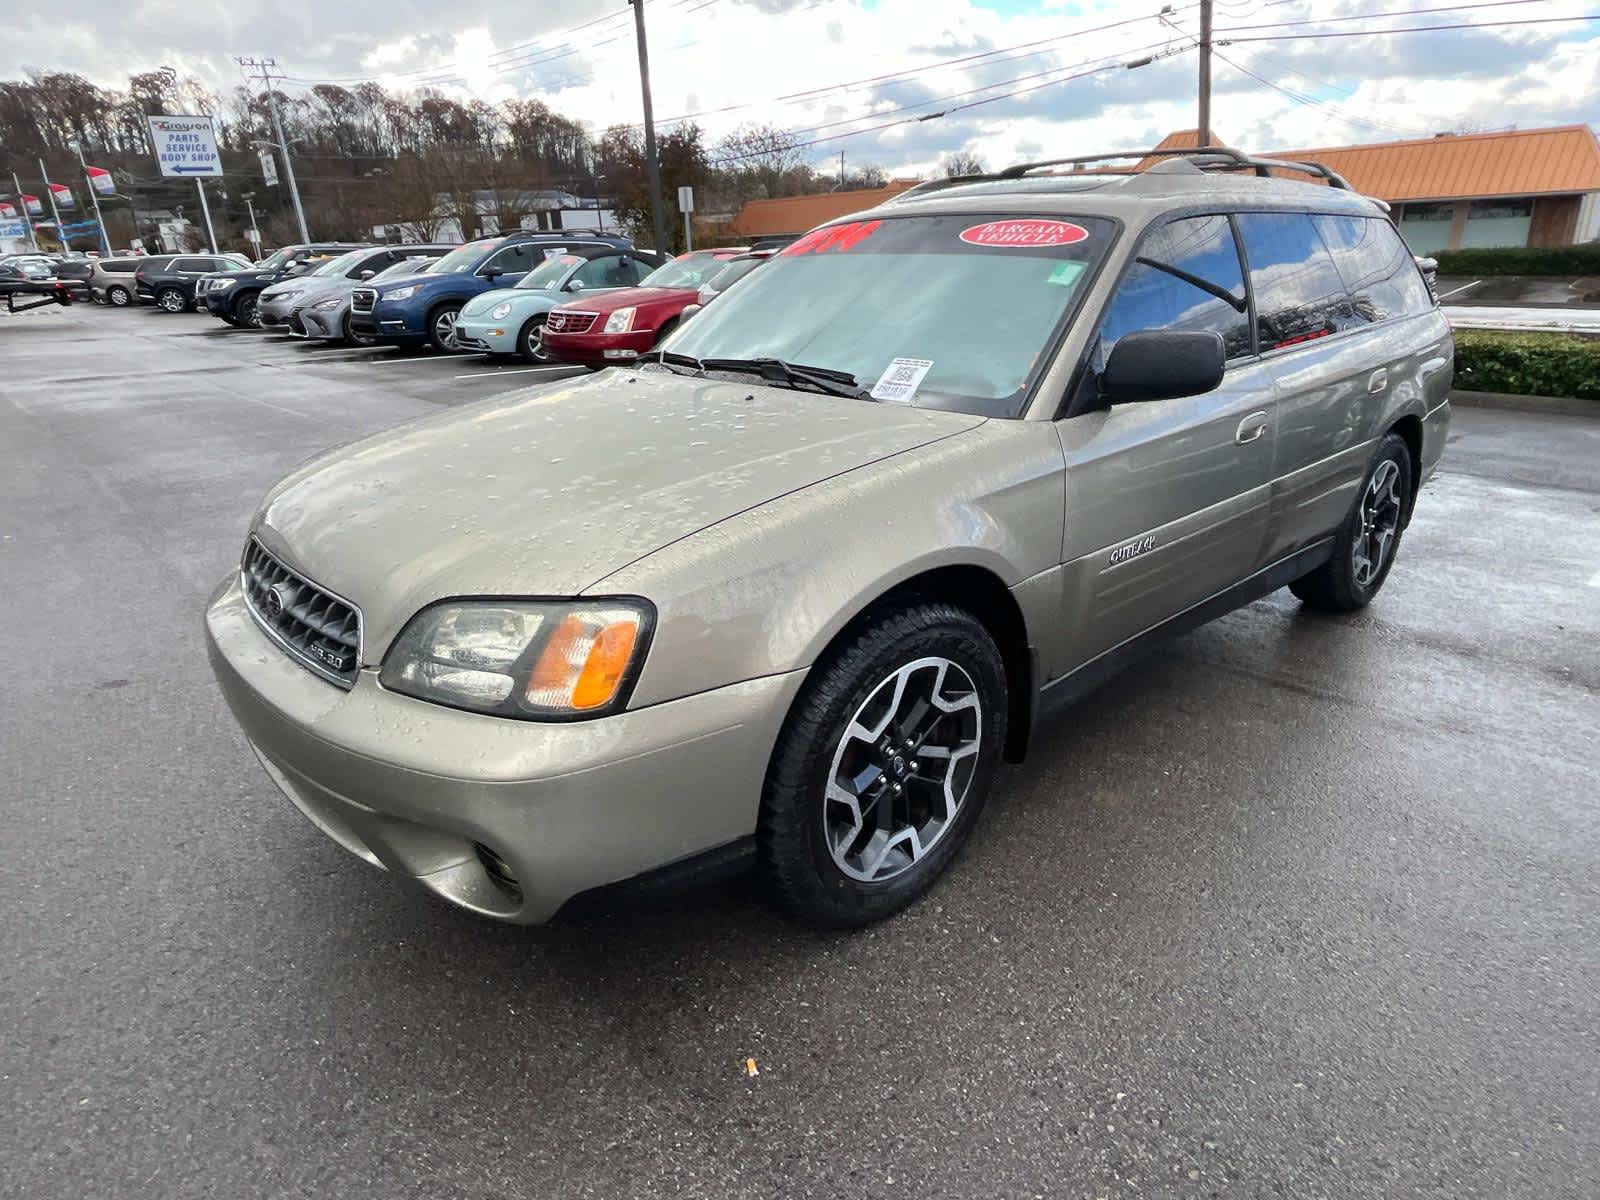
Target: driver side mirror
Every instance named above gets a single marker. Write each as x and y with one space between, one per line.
1162 364
689 312
367 274
574 285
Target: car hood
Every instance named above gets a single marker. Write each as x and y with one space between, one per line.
545 493
635 297
248 275
401 281
307 288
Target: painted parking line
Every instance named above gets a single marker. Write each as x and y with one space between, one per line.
1462 288
492 374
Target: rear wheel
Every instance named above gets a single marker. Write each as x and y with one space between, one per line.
170 299
883 765
442 327
1367 543
118 296
244 312
530 344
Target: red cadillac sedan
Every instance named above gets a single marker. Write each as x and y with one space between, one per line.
618 326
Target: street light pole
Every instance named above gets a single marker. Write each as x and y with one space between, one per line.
282 142
205 209
658 216
249 203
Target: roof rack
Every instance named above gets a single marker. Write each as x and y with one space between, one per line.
1223 157
1213 157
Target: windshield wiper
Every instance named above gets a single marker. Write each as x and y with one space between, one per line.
669 358
775 370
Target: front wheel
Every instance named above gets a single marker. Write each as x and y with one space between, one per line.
1369 539
352 338
883 765
530 342
245 315
118 296
170 299
442 328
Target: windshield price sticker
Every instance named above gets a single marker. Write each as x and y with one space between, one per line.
1022 235
901 379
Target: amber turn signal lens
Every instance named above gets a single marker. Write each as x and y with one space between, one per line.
585 660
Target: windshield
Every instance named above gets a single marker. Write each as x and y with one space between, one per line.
956 312
338 266
410 266
549 274
463 258
732 273
690 271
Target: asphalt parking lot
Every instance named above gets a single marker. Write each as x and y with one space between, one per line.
1298 907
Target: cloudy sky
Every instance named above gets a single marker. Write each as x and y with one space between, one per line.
1013 78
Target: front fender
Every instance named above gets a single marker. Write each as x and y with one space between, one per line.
767 590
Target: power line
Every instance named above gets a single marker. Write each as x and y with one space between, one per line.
1295 37
1376 16
1303 99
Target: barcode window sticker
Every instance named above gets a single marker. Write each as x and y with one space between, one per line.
901 379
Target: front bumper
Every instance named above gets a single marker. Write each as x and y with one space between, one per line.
394 322
419 789
480 333
273 313
318 323
599 349
218 304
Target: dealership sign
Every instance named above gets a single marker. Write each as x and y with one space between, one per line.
186 146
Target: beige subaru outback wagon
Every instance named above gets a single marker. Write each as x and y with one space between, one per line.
790 591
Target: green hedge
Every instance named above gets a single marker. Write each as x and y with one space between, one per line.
1522 260
1527 364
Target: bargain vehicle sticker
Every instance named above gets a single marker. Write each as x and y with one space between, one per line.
901 379
1024 233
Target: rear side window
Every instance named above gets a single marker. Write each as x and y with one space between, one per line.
1299 292
1376 266
192 264
125 266
1186 276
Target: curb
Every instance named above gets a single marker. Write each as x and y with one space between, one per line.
1565 406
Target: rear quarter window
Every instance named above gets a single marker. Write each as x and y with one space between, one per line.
1376 266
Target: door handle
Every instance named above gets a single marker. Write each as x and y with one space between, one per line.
1377 381
1251 428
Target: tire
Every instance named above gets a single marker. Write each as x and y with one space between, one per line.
664 333
352 338
118 296
442 327
244 311
1369 539
820 862
171 299
529 346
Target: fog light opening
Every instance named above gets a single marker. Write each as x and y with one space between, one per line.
499 873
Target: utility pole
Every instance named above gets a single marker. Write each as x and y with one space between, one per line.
658 215
94 198
61 234
22 211
277 131
1205 74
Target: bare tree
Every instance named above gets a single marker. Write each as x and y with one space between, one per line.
764 155
961 162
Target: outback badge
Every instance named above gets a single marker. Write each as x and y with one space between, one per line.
1132 550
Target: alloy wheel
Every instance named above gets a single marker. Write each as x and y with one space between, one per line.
1380 521
535 342
171 300
248 317
902 769
444 329
118 297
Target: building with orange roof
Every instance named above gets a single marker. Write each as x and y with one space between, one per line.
796 214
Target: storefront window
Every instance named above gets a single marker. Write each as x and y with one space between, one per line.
1498 223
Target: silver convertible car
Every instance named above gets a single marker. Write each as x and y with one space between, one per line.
789 592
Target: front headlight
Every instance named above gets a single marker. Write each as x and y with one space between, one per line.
404 293
551 659
288 295
220 285
500 311
328 305
620 321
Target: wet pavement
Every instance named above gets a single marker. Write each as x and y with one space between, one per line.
1298 907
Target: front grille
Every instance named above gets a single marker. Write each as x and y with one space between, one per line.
320 629
570 322
296 325
362 299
